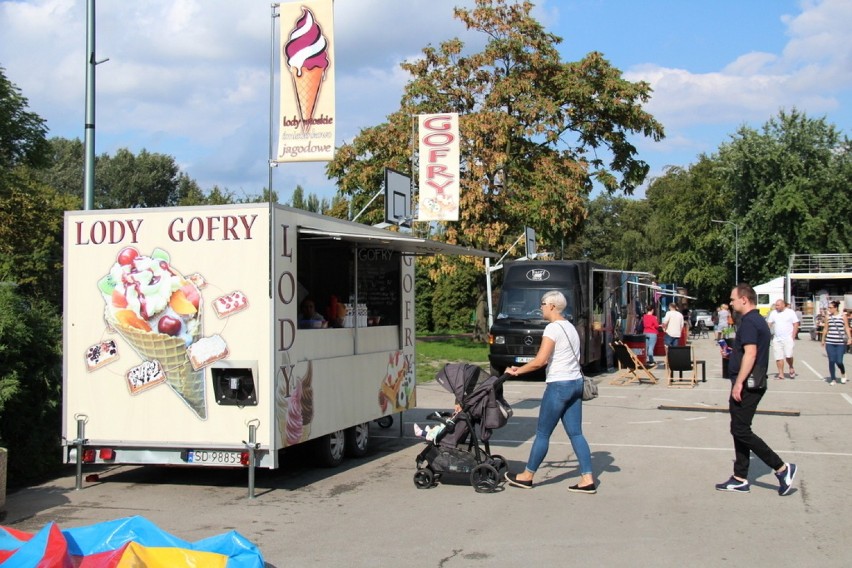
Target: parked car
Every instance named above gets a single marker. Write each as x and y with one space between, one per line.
701 315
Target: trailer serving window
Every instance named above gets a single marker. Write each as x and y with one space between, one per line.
340 272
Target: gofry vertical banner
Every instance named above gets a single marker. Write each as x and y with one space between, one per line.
438 136
306 123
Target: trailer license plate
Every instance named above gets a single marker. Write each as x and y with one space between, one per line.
213 457
523 359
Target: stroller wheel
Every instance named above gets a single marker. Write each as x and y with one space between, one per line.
484 478
499 463
423 479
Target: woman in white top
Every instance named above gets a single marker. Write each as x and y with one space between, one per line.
835 336
722 315
563 395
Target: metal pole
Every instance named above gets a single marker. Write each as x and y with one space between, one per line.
737 254
79 442
272 50
252 446
488 292
89 160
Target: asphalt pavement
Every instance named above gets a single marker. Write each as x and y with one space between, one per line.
656 504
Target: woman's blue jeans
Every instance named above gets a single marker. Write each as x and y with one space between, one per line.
652 343
835 357
562 400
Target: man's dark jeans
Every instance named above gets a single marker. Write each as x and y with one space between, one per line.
746 441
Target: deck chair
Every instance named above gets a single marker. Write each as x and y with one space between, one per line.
681 360
632 370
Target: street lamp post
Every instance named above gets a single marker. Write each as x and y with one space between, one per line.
736 248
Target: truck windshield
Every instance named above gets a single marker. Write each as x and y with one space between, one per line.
525 304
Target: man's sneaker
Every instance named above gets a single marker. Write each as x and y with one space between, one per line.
832 383
792 373
843 380
733 484
785 479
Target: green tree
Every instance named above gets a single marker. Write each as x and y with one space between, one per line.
534 129
615 234
690 248
30 292
22 132
136 180
788 184
536 132
30 382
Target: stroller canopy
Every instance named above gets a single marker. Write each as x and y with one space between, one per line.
461 379
479 394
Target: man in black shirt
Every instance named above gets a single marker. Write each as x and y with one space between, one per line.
747 369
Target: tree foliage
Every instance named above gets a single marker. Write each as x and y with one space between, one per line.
535 131
30 383
788 187
784 186
22 132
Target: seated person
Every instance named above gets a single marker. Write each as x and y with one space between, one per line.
309 318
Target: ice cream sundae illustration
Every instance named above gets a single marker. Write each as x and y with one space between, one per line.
307 56
295 407
158 312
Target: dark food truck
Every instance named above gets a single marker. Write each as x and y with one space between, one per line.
598 305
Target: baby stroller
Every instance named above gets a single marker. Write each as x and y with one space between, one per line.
455 455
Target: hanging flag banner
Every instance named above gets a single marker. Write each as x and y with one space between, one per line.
306 124
439 167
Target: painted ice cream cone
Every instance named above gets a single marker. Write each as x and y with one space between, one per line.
295 408
307 83
171 353
157 311
307 55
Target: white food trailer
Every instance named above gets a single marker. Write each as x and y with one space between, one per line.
184 343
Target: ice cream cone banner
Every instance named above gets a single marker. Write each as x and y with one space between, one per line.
171 353
307 100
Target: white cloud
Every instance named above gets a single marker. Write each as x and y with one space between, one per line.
816 62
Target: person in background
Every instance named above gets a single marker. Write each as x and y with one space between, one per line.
835 337
750 359
672 325
722 315
799 314
563 395
785 327
308 315
650 327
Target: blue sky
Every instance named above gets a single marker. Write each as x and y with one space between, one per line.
190 78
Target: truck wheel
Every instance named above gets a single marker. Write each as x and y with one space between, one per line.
497 371
331 448
385 421
357 440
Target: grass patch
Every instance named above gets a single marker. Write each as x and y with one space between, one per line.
432 355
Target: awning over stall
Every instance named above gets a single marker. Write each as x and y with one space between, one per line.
394 241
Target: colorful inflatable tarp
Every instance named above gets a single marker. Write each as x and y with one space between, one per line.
133 541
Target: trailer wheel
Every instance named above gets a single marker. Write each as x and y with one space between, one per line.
330 449
385 421
357 440
484 478
423 479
